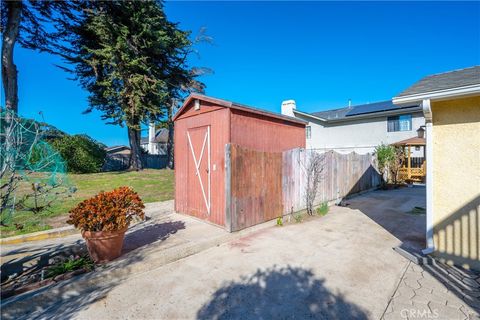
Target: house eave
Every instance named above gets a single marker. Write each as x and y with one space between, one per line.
439 94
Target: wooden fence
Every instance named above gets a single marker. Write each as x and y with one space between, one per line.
342 175
119 162
263 185
255 187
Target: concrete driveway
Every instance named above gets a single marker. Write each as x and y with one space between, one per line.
340 266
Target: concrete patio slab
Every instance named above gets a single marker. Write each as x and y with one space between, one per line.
340 266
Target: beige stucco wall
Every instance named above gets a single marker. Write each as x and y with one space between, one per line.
456 180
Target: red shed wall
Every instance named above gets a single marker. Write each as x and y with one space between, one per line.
218 118
263 133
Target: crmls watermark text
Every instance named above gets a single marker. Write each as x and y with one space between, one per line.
419 313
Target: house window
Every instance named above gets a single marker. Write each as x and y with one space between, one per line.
399 123
308 131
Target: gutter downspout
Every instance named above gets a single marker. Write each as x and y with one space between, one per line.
427 112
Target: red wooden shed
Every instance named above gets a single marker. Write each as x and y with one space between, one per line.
203 127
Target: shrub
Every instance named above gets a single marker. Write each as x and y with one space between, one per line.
323 209
390 160
280 221
81 153
69 265
385 154
107 211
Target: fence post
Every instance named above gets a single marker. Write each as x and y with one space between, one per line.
228 187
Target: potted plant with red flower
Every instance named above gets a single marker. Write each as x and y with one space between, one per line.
104 219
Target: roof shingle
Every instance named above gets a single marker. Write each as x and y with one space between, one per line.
442 81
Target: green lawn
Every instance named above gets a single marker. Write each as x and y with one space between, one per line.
152 185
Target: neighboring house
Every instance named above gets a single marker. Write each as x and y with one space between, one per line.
117 150
156 142
359 128
451 105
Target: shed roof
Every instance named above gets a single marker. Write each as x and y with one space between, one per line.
237 106
444 81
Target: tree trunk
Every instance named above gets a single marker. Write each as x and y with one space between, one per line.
9 69
170 149
135 150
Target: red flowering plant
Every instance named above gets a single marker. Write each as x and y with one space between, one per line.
107 211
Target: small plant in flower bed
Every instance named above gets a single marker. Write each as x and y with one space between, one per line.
46 272
107 211
71 264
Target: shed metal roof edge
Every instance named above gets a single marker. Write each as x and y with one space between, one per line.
237 106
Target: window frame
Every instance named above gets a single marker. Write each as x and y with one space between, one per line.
394 123
308 132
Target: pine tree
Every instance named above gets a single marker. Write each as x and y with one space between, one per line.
133 62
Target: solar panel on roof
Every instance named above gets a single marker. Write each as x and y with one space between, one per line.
374 107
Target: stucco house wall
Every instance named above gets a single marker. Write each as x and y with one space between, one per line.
456 185
360 135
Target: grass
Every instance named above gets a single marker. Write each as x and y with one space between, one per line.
152 185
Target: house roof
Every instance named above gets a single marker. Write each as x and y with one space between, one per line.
332 114
161 136
363 110
444 81
237 106
415 141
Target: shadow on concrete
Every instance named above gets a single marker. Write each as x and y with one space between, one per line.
279 293
457 241
150 234
66 299
457 236
390 208
37 258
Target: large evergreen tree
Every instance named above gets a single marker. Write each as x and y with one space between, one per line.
133 62
24 22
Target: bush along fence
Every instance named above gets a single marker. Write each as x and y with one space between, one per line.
119 162
261 186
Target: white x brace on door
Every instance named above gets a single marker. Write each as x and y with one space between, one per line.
197 163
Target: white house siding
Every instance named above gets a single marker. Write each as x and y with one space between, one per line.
361 136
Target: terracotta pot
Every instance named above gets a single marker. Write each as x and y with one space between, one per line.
104 246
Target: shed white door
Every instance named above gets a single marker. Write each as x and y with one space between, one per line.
198 140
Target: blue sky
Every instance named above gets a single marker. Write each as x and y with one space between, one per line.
319 53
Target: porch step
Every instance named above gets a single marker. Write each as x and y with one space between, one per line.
414 256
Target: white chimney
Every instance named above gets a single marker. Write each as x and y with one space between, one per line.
287 107
151 138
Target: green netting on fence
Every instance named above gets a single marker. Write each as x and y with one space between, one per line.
33 174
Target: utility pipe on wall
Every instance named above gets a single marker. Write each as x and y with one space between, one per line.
427 111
